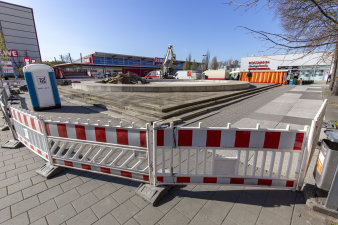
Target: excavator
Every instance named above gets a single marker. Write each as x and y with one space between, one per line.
168 67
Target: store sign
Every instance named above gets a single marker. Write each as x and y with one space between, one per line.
29 61
86 60
259 65
158 61
9 53
7 67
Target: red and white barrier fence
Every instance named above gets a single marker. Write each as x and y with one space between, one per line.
30 131
228 155
115 150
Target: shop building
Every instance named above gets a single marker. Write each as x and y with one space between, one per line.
101 64
314 66
17 26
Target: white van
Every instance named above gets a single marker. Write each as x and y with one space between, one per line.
187 74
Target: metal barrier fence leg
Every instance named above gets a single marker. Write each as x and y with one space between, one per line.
48 170
150 192
14 143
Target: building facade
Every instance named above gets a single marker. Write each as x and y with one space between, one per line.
17 26
314 66
99 63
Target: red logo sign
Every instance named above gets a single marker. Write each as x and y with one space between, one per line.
29 61
158 61
9 53
86 60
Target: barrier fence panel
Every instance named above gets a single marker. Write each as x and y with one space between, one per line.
30 131
270 157
115 150
314 134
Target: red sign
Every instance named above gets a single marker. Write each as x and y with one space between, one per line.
27 61
259 65
9 53
158 61
86 60
33 60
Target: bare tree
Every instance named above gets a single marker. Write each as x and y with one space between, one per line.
214 63
308 26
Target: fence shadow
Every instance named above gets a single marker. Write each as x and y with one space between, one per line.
241 195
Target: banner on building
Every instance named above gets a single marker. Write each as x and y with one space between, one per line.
9 53
158 61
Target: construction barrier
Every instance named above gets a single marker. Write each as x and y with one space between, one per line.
275 77
198 155
173 155
116 150
30 131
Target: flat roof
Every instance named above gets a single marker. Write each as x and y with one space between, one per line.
98 65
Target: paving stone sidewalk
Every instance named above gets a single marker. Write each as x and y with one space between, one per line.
77 197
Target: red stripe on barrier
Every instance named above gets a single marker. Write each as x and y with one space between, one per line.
160 179
31 146
80 132
46 156
13 112
54 160
47 129
214 138
19 116
266 182
298 141
143 139
236 180
104 170
122 136
39 151
185 138
68 163
33 123
62 130
242 139
25 120
271 140
183 179
160 137
26 143
145 177
209 179
100 134
126 174
289 183
41 127
86 167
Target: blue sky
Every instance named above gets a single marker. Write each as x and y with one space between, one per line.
146 27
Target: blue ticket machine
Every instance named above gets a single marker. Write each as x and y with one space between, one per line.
42 86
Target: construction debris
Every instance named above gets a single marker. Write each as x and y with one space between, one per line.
124 78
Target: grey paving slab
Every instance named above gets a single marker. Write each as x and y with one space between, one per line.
24 205
275 108
252 123
60 178
61 215
91 185
5 214
33 190
125 211
190 206
107 220
3 192
16 171
85 217
42 210
41 221
8 181
288 98
10 200
149 215
66 197
312 96
104 206
37 179
174 217
21 219
104 190
131 222
84 202
71 183
18 186
296 120
305 108
50 193
124 193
